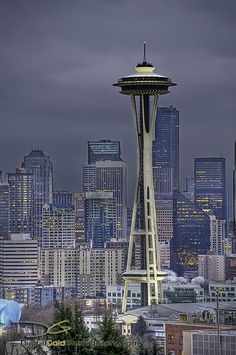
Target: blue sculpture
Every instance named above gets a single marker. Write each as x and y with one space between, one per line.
10 312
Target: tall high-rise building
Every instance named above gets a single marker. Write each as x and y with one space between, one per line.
19 261
211 267
166 150
164 211
40 165
234 203
143 86
210 186
58 266
191 235
21 193
78 201
4 210
218 235
103 150
100 218
97 269
58 226
109 176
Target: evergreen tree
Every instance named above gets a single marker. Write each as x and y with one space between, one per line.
140 327
156 349
77 338
110 340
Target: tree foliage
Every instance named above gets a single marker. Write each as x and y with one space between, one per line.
109 338
140 327
77 338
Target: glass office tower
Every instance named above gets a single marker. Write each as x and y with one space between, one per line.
21 193
107 172
191 235
4 210
40 165
100 218
103 150
166 150
210 186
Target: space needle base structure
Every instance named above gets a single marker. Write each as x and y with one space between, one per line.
144 88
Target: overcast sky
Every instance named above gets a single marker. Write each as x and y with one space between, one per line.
58 60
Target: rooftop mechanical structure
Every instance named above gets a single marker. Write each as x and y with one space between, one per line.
144 88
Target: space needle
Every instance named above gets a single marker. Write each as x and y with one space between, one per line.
144 88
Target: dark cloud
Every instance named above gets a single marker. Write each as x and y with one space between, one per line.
59 59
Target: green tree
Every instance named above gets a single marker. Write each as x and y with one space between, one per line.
110 341
140 327
156 349
77 338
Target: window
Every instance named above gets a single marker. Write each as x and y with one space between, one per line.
171 339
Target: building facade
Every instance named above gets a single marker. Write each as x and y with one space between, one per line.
37 163
79 203
100 218
21 198
211 267
218 235
58 266
191 236
97 269
63 197
58 226
4 210
109 176
230 267
103 150
166 150
210 186
164 213
198 342
19 260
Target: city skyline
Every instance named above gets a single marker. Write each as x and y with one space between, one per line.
46 92
122 221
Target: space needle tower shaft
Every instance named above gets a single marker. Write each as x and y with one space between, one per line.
144 88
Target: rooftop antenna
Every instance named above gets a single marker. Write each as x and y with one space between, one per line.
144 52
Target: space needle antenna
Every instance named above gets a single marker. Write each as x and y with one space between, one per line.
144 52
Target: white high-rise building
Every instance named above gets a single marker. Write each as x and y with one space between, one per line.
58 267
164 213
19 261
97 269
58 226
218 235
211 267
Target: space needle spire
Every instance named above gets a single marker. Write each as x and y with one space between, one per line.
141 87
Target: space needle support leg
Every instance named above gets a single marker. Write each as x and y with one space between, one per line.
134 213
155 235
150 235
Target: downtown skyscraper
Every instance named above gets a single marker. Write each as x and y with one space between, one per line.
21 202
4 209
210 186
234 202
37 163
103 175
103 150
100 218
166 150
191 236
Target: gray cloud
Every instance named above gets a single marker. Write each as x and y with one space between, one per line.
59 59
